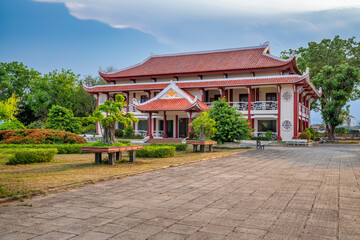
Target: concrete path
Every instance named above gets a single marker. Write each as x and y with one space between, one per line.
278 193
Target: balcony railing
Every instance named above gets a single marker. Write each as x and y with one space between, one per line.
131 109
303 109
264 105
259 105
263 134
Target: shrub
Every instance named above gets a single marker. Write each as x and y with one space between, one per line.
15 124
304 135
39 136
129 131
156 152
178 146
33 156
36 125
62 148
269 135
192 134
119 133
62 119
340 130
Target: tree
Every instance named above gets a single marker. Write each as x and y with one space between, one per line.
204 126
335 59
230 124
63 89
62 119
340 85
16 78
9 108
108 114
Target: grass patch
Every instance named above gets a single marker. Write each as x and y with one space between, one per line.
78 168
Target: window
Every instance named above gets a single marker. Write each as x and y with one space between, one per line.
121 126
216 97
144 98
243 97
142 125
266 125
271 97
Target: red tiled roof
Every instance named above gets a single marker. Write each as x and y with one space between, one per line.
172 104
199 62
226 82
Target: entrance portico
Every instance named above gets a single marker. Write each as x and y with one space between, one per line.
171 99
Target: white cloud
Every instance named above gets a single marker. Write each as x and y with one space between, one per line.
159 17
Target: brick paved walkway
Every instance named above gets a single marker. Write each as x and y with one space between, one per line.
279 193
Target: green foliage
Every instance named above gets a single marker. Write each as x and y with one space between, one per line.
341 130
62 148
204 126
269 135
108 115
334 65
340 85
192 135
33 156
119 133
117 144
38 124
156 152
230 124
12 125
8 108
178 146
62 119
129 131
16 78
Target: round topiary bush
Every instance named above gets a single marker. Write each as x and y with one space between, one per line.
39 136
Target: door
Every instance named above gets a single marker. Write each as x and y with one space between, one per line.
169 127
183 127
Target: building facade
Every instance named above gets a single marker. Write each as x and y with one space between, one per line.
167 91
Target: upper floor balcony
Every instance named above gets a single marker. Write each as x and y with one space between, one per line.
255 106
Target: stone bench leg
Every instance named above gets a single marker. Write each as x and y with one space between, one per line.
132 156
194 148
210 148
202 148
111 159
118 155
98 158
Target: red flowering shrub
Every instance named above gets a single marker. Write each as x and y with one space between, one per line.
39 136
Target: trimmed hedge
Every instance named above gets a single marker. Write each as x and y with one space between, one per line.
61 148
33 156
39 136
178 146
156 152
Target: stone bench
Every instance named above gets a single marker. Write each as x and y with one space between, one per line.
297 142
202 145
114 153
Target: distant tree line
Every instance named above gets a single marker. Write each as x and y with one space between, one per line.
37 93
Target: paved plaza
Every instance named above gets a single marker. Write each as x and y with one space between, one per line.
277 193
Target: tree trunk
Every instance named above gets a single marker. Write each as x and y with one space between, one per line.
109 135
332 132
202 134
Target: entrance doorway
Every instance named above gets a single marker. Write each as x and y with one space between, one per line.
183 127
169 127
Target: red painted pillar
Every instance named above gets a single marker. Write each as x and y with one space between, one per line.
249 106
221 93
97 104
279 114
176 126
296 112
190 119
154 125
149 132
231 95
164 126
202 94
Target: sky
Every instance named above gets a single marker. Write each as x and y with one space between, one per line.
84 35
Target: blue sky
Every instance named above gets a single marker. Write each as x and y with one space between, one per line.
83 35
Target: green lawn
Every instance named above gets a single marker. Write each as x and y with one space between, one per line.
68 169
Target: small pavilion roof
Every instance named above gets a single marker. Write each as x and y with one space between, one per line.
223 60
172 98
